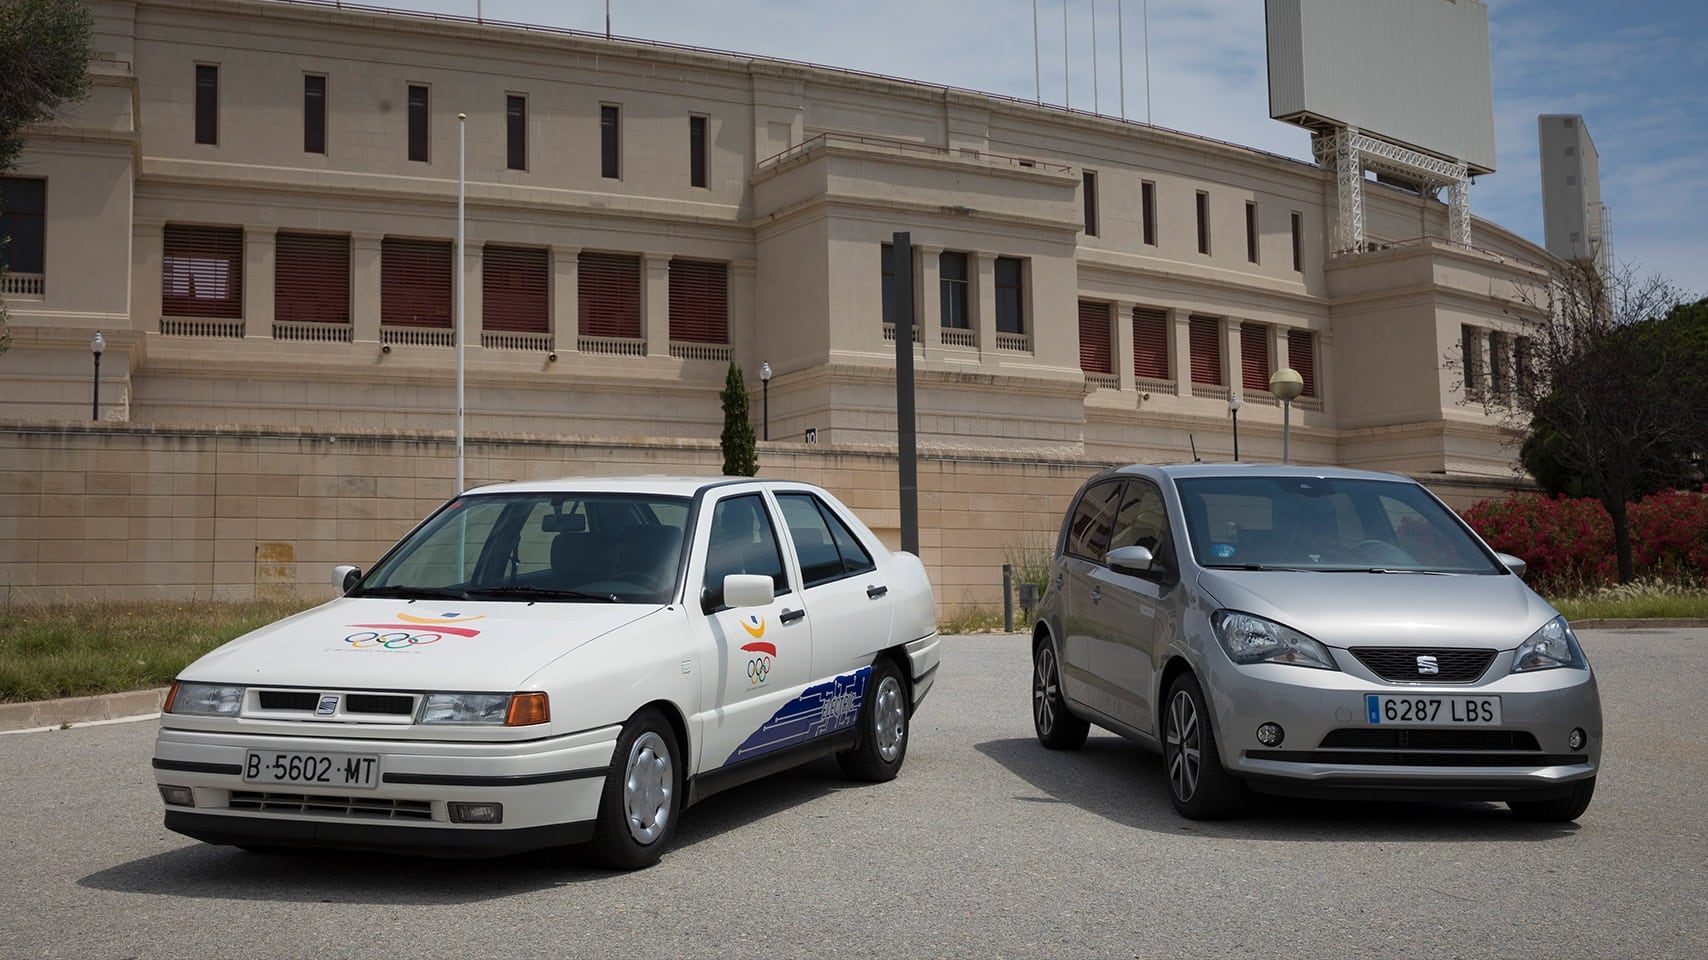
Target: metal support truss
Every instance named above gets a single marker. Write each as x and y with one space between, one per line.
1349 153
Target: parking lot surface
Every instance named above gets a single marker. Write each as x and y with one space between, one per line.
987 846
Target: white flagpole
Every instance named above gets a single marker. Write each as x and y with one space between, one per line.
457 283
1067 86
1121 53
1147 12
1037 66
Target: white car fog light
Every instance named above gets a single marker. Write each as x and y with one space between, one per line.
1270 734
178 796
476 812
1577 738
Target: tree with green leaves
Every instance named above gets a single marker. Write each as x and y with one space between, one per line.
44 64
741 457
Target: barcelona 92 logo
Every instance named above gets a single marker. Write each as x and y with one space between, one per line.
759 663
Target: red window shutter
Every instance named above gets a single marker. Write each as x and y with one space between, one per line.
1150 343
202 272
1301 356
515 289
1206 347
699 301
1095 355
415 283
311 278
1254 356
610 295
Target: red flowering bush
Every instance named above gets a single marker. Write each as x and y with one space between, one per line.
1568 543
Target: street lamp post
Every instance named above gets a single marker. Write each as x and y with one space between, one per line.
1286 384
1233 408
765 393
97 343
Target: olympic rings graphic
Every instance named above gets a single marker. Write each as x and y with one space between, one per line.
370 639
757 670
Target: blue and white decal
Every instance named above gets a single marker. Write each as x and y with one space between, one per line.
820 709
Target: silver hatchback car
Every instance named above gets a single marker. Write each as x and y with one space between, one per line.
1309 631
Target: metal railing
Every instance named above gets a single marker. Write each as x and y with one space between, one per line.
826 140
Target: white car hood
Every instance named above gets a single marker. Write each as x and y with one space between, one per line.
385 644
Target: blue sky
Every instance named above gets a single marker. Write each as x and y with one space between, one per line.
1636 71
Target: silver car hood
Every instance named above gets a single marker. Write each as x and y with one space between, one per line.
1386 609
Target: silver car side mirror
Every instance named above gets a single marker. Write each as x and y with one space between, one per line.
1517 566
1132 561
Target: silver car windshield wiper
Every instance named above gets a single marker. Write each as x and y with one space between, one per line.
540 593
1429 573
1261 566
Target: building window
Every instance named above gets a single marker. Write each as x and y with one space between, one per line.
207 103
887 266
415 283
515 289
1096 354
418 123
1523 365
1298 242
201 272
516 132
1471 350
1010 295
1203 222
1254 356
313 114
1499 365
697 151
1150 343
1251 232
1147 211
1302 357
609 295
311 278
1205 344
1090 203
23 227
610 145
952 274
699 301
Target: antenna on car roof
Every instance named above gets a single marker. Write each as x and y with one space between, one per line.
1189 439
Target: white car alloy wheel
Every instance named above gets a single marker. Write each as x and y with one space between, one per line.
648 788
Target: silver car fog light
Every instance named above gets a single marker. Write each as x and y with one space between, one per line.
1577 738
1551 647
177 796
476 812
1271 734
1249 639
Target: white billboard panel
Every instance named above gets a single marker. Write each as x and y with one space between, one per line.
1414 72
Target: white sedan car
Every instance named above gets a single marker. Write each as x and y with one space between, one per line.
550 663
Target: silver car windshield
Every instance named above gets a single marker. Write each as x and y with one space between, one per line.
530 547
1326 524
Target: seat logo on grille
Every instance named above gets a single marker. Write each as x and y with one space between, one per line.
1426 664
327 706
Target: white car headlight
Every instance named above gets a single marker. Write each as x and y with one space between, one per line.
1249 639
495 709
204 699
1554 645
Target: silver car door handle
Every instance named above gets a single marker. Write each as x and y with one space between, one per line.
873 593
1096 594
790 616
1058 581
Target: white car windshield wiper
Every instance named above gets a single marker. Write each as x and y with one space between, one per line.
540 593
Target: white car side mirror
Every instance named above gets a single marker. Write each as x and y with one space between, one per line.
748 590
344 576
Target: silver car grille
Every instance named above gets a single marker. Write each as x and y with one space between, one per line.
367 808
1418 665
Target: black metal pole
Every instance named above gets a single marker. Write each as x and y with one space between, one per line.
766 392
1236 436
95 405
1008 597
906 454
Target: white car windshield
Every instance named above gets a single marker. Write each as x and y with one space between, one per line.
1326 523
590 547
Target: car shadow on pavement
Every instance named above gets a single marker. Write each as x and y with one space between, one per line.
1125 783
337 876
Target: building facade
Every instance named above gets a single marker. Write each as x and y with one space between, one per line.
257 208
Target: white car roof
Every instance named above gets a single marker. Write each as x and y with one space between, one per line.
659 484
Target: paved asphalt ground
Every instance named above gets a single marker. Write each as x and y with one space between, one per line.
987 846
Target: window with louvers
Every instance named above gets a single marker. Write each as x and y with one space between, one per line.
1095 354
415 283
1302 356
699 301
311 278
1150 343
515 289
202 272
1206 349
609 295
1254 356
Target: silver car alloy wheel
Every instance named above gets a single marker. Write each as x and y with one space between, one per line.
1184 752
889 718
1044 693
649 783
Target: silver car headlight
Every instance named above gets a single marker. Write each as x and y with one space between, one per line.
1554 645
204 699
1249 639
